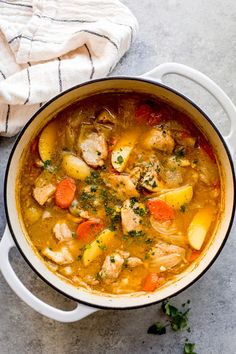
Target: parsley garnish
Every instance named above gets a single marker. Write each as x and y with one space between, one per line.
134 233
46 164
119 159
179 152
112 259
157 328
139 211
133 200
102 247
178 319
188 348
87 247
99 153
183 208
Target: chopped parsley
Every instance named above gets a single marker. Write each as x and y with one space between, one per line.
99 153
178 319
157 328
133 200
134 233
119 160
94 188
179 152
73 234
79 257
183 208
112 259
139 211
189 348
46 164
87 247
102 247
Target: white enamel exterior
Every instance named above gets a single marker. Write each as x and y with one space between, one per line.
131 300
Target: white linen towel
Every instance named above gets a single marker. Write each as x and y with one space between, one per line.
47 46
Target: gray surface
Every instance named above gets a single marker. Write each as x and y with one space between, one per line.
201 34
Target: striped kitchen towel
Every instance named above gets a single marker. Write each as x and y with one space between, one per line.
47 46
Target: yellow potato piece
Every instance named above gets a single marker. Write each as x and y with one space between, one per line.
122 150
94 249
178 196
75 167
47 141
199 226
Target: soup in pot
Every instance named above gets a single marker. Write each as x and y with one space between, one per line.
119 193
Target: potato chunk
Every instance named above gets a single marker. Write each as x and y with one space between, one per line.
75 167
199 226
122 150
47 141
177 197
94 249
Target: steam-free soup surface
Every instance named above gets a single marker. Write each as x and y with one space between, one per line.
119 193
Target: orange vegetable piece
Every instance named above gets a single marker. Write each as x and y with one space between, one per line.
194 255
160 210
88 229
65 192
151 282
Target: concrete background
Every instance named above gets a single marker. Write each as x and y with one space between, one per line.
201 34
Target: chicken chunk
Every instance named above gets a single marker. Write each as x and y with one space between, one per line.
60 257
122 185
111 267
129 218
42 194
113 263
62 231
94 149
133 262
160 140
164 256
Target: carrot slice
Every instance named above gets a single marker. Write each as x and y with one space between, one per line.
65 192
194 255
160 210
151 282
88 229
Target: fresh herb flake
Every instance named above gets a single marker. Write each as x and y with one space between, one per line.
189 348
157 328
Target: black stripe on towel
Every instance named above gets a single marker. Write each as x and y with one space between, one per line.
66 20
32 40
130 27
99 35
12 3
7 117
59 74
91 61
3 75
28 77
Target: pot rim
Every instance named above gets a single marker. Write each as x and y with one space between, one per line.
8 217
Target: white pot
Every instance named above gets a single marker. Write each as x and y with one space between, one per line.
149 83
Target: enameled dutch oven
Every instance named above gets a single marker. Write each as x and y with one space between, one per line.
15 234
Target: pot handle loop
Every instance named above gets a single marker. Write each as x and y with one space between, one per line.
38 305
158 73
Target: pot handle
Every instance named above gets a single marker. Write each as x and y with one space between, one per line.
38 305
196 76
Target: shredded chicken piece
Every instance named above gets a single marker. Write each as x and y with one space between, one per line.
94 149
129 219
160 140
164 256
62 231
132 262
111 267
122 185
42 194
113 263
60 257
90 279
